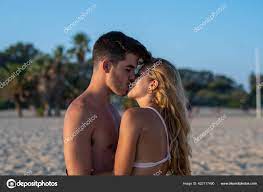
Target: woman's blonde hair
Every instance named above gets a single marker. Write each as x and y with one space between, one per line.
169 96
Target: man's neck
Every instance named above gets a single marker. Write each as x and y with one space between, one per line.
99 92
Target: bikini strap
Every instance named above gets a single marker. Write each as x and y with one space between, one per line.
166 130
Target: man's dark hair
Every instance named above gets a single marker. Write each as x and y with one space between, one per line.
115 45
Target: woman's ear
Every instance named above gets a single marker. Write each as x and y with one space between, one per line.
154 84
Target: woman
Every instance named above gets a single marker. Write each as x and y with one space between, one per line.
153 137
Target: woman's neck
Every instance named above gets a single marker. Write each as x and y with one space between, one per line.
146 102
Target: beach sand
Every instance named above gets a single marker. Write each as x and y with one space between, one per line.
34 146
234 147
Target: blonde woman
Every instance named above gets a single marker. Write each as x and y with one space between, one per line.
153 138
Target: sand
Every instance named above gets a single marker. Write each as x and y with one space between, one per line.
234 147
33 146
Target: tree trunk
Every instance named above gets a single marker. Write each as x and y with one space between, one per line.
18 104
19 109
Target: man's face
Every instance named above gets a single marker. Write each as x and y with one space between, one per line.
122 74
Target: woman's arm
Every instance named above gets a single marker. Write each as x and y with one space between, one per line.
128 137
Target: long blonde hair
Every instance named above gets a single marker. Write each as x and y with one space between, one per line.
170 97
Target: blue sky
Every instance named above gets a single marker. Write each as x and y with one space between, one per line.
224 46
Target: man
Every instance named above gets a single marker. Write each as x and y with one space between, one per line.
89 148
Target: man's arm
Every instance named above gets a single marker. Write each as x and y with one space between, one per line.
126 149
77 142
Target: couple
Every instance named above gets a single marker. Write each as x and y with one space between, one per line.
151 139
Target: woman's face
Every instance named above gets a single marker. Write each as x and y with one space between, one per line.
140 86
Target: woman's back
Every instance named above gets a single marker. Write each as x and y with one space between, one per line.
143 147
152 151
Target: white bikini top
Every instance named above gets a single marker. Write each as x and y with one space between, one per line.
168 156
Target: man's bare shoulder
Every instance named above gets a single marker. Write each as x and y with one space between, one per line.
77 106
78 112
81 106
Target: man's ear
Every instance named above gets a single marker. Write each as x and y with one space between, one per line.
106 65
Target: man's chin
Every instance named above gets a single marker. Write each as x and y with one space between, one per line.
127 92
121 93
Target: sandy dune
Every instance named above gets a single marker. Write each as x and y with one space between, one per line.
34 145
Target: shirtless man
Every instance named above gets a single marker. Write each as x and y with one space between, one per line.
89 149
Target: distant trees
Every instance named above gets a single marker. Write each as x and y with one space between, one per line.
252 90
11 60
52 81
206 89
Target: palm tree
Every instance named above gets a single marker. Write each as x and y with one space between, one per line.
56 85
14 57
37 83
14 89
81 47
79 50
21 53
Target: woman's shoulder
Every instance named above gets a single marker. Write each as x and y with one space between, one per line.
134 114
